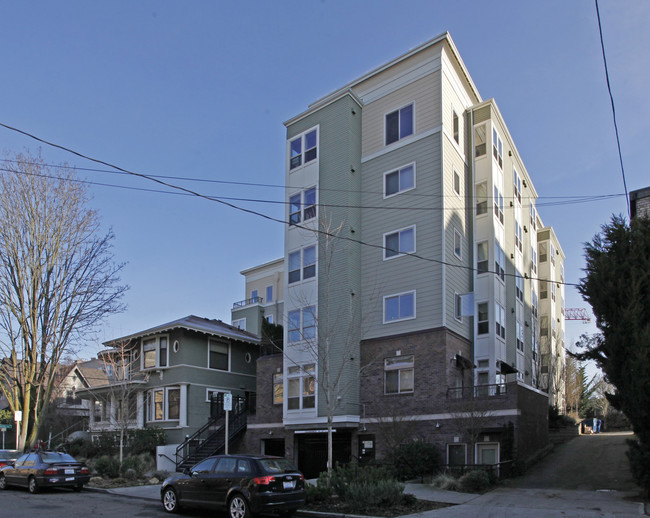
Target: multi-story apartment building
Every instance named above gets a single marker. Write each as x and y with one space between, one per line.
411 275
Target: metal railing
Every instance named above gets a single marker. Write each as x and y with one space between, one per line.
248 302
497 389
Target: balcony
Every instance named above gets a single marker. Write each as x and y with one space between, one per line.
479 391
248 302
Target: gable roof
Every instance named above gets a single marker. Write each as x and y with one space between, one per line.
193 323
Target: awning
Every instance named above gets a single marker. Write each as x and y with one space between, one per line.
504 368
463 363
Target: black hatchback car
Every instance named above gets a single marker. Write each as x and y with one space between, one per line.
241 484
41 468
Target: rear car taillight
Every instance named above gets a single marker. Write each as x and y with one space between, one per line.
84 471
263 481
50 471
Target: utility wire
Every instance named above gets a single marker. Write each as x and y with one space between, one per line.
314 230
611 99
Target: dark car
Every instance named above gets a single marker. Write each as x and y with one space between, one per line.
242 484
40 469
8 457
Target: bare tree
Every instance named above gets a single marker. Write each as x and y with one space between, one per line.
57 280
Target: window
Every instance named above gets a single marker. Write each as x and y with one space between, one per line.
517 184
399 242
302 264
218 355
498 204
543 253
543 289
543 326
482 259
303 149
533 217
458 307
456 454
519 286
398 374
552 291
519 237
154 353
239 323
301 387
399 124
497 148
479 141
399 307
499 261
456 182
520 336
500 321
456 126
533 259
483 319
302 206
481 198
533 307
278 388
553 254
561 273
399 181
458 244
269 294
302 324
163 404
254 296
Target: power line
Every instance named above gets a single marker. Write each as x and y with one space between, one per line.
611 99
314 230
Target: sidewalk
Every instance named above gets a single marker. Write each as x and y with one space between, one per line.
151 492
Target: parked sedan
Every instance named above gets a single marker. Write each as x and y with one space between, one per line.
41 468
8 457
241 484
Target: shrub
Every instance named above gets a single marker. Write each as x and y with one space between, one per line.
446 481
639 457
131 463
474 481
414 459
106 444
107 466
146 440
80 448
344 475
318 492
361 496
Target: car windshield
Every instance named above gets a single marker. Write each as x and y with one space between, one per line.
50 457
9 454
277 465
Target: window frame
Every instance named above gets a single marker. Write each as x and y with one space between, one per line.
458 244
151 403
455 126
399 252
458 307
399 296
277 388
497 147
239 323
298 272
305 375
299 210
228 354
302 324
269 294
157 348
482 324
500 321
399 111
302 139
399 172
401 367
482 265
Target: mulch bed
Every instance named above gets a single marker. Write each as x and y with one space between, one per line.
336 507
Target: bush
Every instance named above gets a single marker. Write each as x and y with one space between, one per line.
146 440
414 459
474 481
107 466
446 481
344 475
80 448
639 457
318 492
132 463
362 496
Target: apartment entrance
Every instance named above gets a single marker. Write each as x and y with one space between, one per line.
312 451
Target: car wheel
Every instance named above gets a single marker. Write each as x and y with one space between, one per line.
238 507
32 485
170 500
3 482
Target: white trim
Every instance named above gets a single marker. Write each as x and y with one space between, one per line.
398 171
458 193
399 252
229 355
400 143
156 339
301 136
460 241
392 295
433 417
399 122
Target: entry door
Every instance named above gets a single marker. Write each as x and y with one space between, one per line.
487 453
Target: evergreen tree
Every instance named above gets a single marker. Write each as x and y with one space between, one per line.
617 286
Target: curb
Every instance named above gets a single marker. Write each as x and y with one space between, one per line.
110 492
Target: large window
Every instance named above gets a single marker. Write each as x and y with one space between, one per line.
520 336
458 244
278 388
517 184
154 352
399 242
457 183
399 307
519 236
163 404
302 264
533 260
480 141
303 149
456 126
481 198
398 374
497 148
218 355
519 286
399 124
483 326
498 204
302 206
269 294
499 261
302 324
301 387
482 257
399 181
500 320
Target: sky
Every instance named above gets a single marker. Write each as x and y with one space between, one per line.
199 90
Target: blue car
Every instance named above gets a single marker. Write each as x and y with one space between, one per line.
41 469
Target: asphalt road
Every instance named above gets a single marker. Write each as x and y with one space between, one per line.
588 462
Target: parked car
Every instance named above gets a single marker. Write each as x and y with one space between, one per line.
241 484
8 457
41 469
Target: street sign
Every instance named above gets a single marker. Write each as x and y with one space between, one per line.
227 402
5 427
18 415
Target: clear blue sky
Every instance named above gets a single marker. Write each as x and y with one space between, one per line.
200 90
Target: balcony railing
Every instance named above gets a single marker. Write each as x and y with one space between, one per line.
497 389
248 302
